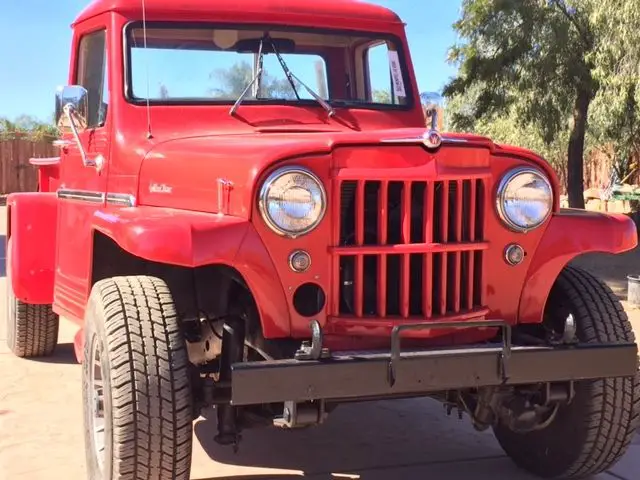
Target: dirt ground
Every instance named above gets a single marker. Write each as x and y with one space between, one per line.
41 426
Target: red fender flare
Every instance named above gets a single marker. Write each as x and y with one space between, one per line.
571 233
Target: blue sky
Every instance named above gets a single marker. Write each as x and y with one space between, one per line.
35 37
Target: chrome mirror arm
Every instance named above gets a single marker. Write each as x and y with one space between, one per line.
96 163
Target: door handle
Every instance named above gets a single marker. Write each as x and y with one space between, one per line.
62 143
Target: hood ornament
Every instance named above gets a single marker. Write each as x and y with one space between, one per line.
431 107
432 139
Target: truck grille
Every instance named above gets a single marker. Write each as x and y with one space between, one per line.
408 249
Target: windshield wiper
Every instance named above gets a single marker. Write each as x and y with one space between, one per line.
291 77
256 78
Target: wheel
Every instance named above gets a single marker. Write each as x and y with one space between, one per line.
32 330
592 432
136 383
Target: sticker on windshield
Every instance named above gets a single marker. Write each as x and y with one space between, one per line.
396 74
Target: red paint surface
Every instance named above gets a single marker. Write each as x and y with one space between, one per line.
32 230
571 233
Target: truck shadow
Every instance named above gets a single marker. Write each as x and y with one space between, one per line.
64 354
360 440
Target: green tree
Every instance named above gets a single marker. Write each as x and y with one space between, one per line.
382 96
27 125
616 108
506 128
532 61
234 80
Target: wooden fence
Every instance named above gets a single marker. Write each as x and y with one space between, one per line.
16 173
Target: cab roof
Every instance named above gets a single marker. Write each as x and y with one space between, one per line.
271 9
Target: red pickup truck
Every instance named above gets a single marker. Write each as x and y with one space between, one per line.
250 211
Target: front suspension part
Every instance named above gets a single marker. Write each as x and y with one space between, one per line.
233 334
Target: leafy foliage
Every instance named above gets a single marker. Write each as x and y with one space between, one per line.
236 78
382 96
27 126
553 76
530 61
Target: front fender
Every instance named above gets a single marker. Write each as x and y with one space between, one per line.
32 225
175 237
571 233
194 239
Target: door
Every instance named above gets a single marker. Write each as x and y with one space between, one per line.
83 187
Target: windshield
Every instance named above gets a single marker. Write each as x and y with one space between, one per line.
216 65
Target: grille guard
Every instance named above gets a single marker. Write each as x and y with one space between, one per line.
398 329
317 375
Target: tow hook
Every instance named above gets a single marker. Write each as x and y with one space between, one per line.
313 350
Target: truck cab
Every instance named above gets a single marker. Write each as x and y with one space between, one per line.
254 209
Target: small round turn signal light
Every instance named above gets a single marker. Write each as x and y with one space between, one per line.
514 254
299 261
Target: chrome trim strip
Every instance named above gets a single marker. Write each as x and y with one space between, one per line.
81 195
421 140
121 199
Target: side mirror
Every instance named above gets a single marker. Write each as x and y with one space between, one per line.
72 113
432 107
72 109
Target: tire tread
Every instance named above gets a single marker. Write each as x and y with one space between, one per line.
609 409
150 385
35 330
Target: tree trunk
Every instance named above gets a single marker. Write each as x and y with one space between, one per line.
575 161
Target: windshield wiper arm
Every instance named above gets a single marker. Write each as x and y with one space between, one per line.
291 77
256 78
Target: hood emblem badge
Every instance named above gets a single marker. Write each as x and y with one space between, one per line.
432 139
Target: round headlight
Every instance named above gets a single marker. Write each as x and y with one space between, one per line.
292 201
525 199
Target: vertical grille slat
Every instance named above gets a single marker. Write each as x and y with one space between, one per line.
336 233
420 282
427 309
459 208
406 239
383 200
359 217
444 238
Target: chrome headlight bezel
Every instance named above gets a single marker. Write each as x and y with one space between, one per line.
500 200
266 186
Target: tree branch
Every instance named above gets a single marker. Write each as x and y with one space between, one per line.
572 19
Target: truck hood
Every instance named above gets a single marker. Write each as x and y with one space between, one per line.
186 172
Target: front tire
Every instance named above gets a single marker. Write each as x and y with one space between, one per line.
136 383
593 432
32 330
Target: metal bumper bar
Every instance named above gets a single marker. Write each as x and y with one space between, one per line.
350 375
366 374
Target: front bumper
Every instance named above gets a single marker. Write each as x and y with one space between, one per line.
353 375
